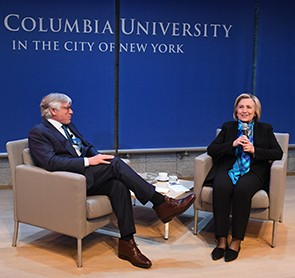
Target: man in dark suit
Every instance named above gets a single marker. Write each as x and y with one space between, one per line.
56 145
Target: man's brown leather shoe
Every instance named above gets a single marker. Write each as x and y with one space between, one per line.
173 207
128 250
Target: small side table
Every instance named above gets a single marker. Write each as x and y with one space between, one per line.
173 191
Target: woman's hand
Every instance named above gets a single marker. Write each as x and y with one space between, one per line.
245 143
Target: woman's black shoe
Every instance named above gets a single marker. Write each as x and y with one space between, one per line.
217 253
231 255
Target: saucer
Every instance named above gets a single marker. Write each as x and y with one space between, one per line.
158 179
149 177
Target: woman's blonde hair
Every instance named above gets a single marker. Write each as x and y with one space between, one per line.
256 102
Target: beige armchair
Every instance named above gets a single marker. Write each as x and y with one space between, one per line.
264 206
54 201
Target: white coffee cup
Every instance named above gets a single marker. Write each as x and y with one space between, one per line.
163 176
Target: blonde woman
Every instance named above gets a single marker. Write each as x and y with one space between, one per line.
241 154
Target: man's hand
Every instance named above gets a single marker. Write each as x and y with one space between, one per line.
100 159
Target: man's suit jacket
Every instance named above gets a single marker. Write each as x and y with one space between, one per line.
52 151
266 146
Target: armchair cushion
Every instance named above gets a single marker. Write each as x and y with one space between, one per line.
27 157
97 206
206 194
259 201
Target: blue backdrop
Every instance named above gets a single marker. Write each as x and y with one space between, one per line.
36 61
182 63
198 58
275 84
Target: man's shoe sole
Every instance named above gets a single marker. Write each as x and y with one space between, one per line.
123 257
168 219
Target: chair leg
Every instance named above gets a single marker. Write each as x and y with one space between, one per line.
15 233
79 252
166 230
195 221
274 234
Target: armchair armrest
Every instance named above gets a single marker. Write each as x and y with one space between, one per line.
277 186
51 200
203 164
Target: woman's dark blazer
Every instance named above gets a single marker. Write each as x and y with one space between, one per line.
266 146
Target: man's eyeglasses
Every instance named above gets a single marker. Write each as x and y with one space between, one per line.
68 108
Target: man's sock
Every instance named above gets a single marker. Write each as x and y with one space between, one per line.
157 199
127 237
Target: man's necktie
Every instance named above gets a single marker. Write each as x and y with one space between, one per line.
76 142
65 128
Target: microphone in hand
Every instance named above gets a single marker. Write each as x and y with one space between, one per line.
245 129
